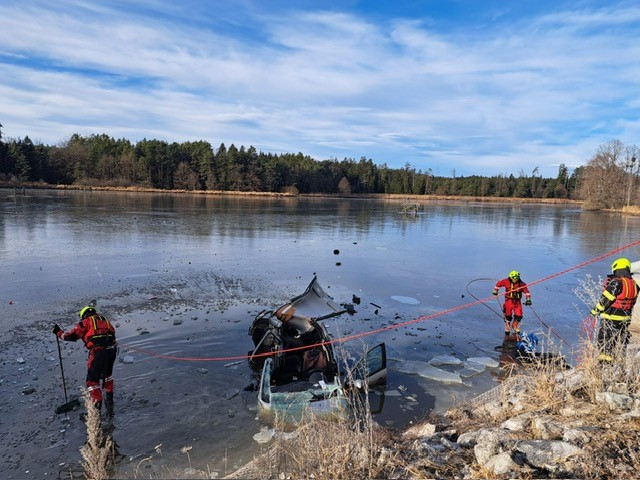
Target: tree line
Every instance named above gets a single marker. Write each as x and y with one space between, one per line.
106 161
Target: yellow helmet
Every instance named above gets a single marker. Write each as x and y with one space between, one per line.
514 275
620 264
86 310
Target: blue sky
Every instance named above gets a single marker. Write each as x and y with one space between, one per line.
466 86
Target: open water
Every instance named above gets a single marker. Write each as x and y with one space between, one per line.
182 276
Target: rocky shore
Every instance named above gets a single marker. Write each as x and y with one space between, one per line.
542 422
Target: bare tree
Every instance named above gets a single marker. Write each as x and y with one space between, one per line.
344 187
632 168
603 181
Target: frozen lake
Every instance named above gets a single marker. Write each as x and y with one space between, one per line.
183 275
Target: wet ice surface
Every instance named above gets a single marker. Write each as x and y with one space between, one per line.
182 277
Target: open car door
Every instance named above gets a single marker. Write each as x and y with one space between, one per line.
373 367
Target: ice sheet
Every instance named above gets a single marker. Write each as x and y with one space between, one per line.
445 360
425 370
486 361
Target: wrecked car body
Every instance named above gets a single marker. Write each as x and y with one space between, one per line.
299 370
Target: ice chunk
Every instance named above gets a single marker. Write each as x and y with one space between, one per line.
405 300
128 359
392 393
425 370
445 360
469 372
474 366
486 361
264 435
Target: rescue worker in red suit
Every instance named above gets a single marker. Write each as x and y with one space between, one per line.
614 309
512 308
99 338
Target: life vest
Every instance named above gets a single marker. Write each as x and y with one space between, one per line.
622 304
515 290
99 333
626 299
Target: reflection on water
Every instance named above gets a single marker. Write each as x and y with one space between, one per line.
153 258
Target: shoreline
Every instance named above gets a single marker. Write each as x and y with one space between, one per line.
379 196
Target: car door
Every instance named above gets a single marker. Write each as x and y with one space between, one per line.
373 367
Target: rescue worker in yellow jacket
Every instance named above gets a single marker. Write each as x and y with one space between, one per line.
99 337
614 309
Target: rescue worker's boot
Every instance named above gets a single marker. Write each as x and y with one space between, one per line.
108 403
507 326
516 326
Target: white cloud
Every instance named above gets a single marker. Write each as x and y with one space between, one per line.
329 84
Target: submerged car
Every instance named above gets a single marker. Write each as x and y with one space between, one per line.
294 354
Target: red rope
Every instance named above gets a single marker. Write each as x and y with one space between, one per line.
385 328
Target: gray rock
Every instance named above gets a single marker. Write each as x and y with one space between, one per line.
420 431
490 442
547 454
468 439
576 436
517 424
615 401
578 409
620 388
449 444
573 379
547 429
501 464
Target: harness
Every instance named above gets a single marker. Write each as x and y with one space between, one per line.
515 290
100 333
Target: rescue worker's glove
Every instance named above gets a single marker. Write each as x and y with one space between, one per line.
495 291
527 301
593 312
56 329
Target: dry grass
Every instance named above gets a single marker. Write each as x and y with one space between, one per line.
631 210
328 448
99 450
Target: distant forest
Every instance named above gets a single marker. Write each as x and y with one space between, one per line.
105 161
